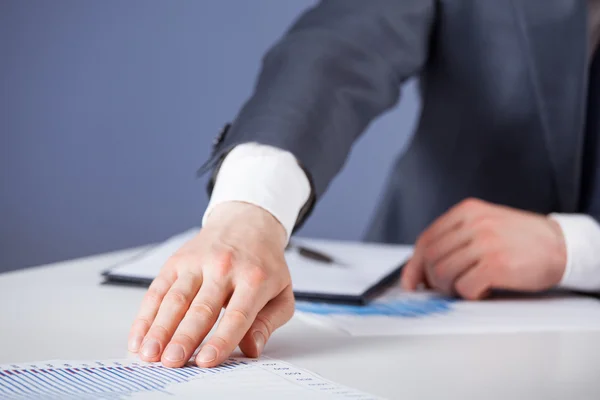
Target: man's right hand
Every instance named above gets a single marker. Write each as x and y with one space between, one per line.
237 262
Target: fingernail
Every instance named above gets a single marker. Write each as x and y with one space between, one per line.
134 343
174 352
151 348
207 354
259 339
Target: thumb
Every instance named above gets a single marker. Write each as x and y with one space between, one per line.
275 314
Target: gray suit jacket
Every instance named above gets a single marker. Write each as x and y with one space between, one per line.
503 87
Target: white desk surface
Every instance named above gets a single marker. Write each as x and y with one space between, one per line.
62 311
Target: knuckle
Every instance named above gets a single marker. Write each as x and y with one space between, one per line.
483 223
239 316
267 324
159 284
176 297
185 264
484 270
170 266
221 262
496 259
184 339
158 331
153 296
178 261
192 275
143 323
500 263
489 237
255 276
220 342
202 310
485 235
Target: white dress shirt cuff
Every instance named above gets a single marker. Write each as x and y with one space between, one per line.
265 176
582 238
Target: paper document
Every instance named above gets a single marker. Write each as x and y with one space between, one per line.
402 313
361 265
124 379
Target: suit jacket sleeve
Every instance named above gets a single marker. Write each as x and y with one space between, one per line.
339 66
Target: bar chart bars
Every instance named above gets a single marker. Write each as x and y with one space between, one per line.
63 380
127 379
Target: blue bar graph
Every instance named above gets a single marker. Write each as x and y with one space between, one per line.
91 381
404 308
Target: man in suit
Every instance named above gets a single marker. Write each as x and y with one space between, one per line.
498 189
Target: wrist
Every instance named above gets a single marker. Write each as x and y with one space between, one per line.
253 219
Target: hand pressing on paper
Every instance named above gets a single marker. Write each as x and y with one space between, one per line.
237 262
477 246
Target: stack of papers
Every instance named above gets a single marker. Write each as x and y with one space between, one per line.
423 313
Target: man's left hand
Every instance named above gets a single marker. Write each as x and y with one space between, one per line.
477 246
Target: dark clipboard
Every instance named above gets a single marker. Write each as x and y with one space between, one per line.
359 300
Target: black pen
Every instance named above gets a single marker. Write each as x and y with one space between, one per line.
314 255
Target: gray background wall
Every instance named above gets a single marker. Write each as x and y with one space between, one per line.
108 107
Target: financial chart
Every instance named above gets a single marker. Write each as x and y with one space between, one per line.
423 313
407 308
128 379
